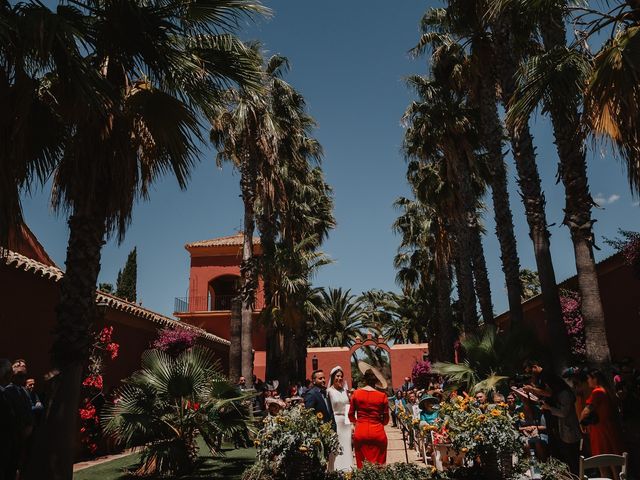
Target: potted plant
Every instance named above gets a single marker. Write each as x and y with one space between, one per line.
293 444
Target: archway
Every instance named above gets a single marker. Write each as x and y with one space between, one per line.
221 292
373 351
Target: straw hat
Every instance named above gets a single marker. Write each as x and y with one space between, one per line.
364 366
427 398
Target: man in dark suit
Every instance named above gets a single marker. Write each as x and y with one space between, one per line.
316 397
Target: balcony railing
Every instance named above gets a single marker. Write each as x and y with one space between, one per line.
203 304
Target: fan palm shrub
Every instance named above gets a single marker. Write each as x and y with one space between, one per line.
489 358
165 405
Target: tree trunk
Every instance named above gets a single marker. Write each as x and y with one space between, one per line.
55 447
235 334
492 132
578 202
533 198
464 277
248 179
445 318
483 287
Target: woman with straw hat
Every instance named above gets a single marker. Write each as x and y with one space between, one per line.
369 411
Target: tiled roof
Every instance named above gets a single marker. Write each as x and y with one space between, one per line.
20 262
229 241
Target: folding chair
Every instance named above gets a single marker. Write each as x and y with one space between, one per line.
603 461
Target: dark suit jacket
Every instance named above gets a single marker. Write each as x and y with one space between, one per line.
317 399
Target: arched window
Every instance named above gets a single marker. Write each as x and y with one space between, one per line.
222 290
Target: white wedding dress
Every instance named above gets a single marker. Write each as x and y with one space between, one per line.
339 403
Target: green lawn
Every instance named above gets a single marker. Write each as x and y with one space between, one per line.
229 466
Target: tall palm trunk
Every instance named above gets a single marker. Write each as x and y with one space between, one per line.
464 280
483 287
54 449
565 119
532 196
248 179
235 334
445 317
492 131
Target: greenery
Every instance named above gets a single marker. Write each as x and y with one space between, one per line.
530 283
165 405
478 430
488 359
396 471
293 440
128 278
229 463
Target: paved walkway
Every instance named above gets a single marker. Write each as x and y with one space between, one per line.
99 460
395 450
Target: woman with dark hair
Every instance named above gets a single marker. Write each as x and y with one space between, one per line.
600 418
369 412
339 397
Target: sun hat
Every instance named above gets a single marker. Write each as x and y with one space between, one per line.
427 398
364 366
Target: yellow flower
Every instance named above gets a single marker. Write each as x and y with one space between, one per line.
303 449
319 415
415 421
464 449
495 412
256 442
521 415
482 418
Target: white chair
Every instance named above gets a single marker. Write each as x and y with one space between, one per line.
604 461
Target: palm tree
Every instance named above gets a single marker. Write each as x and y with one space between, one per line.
442 128
465 20
511 41
31 131
160 73
165 405
339 319
244 133
556 77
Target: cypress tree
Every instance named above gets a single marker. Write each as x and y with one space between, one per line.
128 278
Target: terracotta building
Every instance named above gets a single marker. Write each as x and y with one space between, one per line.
214 280
620 293
29 295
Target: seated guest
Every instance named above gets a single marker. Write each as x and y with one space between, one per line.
533 428
481 398
428 411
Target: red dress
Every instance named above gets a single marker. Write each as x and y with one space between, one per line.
369 411
605 435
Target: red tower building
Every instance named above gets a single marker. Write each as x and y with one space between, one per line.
214 281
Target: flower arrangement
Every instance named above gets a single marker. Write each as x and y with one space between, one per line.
570 303
396 471
293 439
479 430
174 341
103 349
421 374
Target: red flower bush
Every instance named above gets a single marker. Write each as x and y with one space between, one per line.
113 348
94 381
88 412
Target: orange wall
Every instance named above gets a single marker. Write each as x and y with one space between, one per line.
620 293
219 324
402 358
27 318
205 269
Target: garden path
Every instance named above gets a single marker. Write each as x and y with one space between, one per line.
395 450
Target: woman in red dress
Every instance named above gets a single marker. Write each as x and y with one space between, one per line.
369 411
601 417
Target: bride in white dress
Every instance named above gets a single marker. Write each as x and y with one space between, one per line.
339 399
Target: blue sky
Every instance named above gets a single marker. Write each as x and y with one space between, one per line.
349 59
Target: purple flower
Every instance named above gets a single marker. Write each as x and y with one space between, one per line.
174 342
